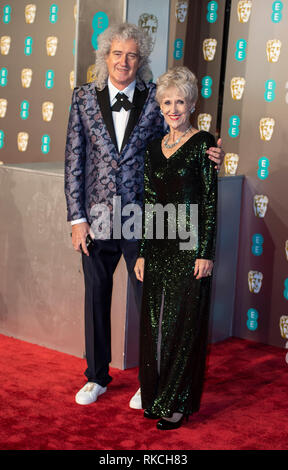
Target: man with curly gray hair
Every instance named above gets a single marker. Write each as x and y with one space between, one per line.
110 124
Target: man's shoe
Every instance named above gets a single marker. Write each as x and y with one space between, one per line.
89 393
136 402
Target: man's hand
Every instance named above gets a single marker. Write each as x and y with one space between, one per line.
216 154
79 234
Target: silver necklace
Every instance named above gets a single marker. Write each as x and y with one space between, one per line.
170 146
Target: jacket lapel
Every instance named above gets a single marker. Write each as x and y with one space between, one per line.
139 99
104 104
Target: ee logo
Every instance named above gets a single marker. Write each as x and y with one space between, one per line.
6 14
53 17
240 53
99 24
234 123
252 323
24 112
276 16
3 76
206 90
263 164
178 49
269 94
212 8
28 45
285 293
257 242
1 139
45 147
49 82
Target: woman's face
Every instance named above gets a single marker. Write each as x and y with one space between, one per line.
176 109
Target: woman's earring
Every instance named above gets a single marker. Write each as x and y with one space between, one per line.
161 112
192 109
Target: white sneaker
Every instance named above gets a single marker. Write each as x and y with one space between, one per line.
89 393
136 402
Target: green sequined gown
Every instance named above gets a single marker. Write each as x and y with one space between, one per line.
175 305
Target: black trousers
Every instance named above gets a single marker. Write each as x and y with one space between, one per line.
98 269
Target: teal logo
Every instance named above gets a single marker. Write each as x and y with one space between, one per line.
6 14
53 16
45 147
24 109
285 293
1 139
100 22
28 45
234 123
178 49
240 53
257 244
3 76
252 322
269 94
49 80
206 90
74 44
276 16
212 8
263 164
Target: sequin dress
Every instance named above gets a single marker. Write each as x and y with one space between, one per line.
175 305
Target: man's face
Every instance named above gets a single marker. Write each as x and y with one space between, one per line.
122 62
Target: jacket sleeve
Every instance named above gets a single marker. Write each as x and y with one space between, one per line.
149 198
75 156
207 211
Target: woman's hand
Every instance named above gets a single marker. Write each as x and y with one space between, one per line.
216 154
203 268
139 269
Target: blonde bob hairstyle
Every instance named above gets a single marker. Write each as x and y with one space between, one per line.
180 78
123 32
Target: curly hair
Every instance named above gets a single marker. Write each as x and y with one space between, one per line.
182 79
123 32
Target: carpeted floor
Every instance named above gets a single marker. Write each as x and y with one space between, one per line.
244 405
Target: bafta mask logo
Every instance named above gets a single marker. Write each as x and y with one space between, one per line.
149 23
273 49
260 205
47 110
75 11
209 49
231 161
51 45
244 8
91 73
204 122
255 279
181 9
266 128
237 87
284 326
5 44
30 13
72 79
286 249
22 141
26 77
3 107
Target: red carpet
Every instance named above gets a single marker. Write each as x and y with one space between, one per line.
244 404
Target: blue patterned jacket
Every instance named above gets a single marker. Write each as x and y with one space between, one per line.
95 171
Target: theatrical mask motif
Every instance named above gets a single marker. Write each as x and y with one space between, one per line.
284 326
5 44
255 279
231 163
26 77
22 141
149 24
244 8
266 127
286 249
30 13
260 205
204 122
237 87
181 10
75 12
51 45
209 49
47 110
91 73
72 79
3 107
273 49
